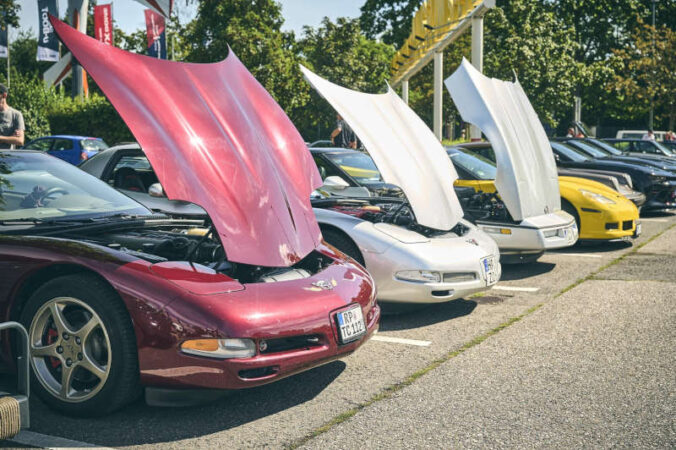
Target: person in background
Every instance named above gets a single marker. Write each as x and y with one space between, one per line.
570 133
670 136
11 123
649 136
346 137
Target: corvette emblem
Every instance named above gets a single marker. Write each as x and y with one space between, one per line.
323 284
473 241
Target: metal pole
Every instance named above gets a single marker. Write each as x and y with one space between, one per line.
652 96
477 60
404 91
8 65
438 92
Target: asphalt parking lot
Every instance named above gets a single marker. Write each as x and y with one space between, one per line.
574 350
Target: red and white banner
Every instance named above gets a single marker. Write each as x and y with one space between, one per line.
103 23
155 28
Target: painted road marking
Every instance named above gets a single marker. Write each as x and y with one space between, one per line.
649 219
40 440
583 255
396 340
517 289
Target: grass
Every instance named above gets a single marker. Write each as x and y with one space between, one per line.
389 391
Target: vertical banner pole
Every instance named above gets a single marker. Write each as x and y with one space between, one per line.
438 92
404 91
477 61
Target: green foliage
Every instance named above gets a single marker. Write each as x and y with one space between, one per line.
339 52
94 116
9 10
389 20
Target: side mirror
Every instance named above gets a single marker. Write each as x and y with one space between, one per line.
336 182
156 190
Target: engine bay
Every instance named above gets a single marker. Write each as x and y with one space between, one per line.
483 206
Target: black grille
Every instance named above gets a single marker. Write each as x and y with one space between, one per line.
627 224
291 343
611 226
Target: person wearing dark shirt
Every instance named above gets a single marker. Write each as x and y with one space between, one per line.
343 136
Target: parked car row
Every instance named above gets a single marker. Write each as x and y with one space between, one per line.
221 253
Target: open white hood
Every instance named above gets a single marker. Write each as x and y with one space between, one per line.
526 177
402 146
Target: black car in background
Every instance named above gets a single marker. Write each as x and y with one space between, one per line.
599 149
659 186
641 146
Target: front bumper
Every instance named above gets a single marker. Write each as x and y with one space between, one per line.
452 257
618 223
533 235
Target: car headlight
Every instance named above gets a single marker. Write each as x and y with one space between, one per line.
220 348
420 276
597 197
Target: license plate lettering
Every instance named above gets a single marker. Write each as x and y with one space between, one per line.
350 324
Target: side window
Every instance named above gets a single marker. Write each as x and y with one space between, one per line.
93 145
132 173
41 144
62 144
624 146
325 170
645 147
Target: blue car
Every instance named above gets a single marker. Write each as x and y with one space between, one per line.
73 149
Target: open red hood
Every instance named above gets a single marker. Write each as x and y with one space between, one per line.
215 137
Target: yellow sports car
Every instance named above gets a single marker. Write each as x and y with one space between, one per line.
600 212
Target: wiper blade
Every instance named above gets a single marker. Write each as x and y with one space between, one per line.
36 221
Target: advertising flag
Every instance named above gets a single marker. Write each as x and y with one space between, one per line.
157 40
103 23
159 6
48 43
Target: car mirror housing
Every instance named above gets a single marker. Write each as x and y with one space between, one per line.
336 182
156 190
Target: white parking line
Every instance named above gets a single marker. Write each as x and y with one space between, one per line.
517 289
582 255
650 219
396 340
40 440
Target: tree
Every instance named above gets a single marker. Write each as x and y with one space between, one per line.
252 28
9 11
642 74
389 20
339 52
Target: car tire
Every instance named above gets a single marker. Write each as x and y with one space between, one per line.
342 242
570 209
80 329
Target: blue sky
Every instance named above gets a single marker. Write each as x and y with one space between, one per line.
128 14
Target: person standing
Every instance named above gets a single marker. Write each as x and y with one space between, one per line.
11 123
346 137
649 136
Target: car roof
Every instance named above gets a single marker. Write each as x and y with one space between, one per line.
67 136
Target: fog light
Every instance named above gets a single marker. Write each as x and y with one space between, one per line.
420 276
220 348
262 345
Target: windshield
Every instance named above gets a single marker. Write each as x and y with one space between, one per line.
358 165
480 167
609 149
664 149
35 186
588 149
569 152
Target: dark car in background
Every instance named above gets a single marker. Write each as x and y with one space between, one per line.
72 149
599 149
641 146
659 186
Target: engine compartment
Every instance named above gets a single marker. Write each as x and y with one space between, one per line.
484 206
395 211
201 246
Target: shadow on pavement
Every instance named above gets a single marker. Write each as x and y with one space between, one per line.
427 315
594 247
141 424
521 271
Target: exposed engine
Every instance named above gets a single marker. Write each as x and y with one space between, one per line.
378 210
199 245
485 206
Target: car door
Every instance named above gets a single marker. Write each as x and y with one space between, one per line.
65 149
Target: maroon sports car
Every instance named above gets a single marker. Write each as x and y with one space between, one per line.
116 298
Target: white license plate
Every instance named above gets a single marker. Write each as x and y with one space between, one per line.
350 324
490 266
637 233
